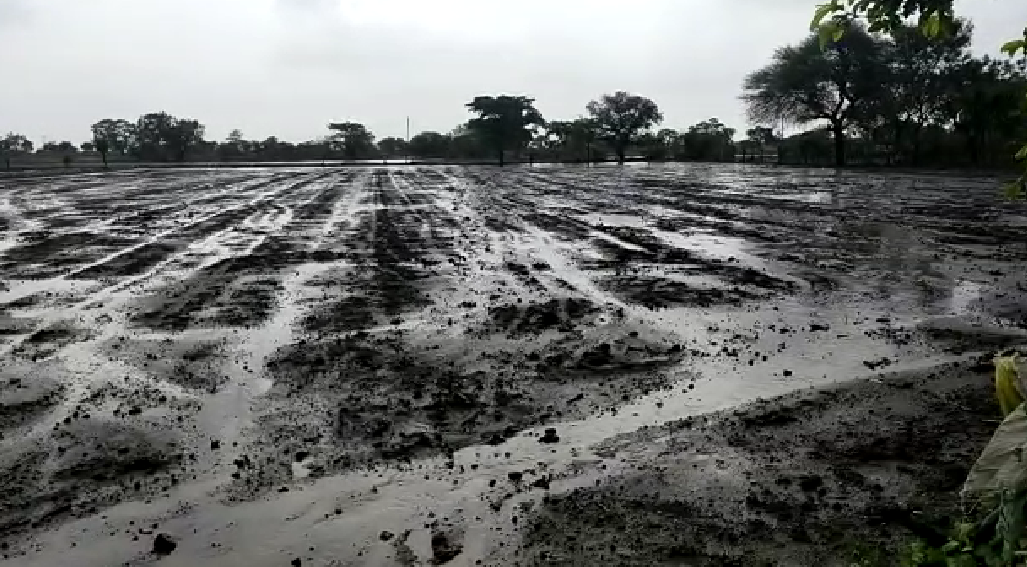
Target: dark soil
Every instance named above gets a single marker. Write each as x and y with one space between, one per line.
819 477
186 341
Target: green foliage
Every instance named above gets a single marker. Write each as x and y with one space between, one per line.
353 139
837 81
113 134
936 20
1013 47
574 139
504 122
159 136
935 16
620 118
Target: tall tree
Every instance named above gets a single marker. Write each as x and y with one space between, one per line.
112 134
936 18
161 136
817 80
622 116
355 139
504 122
986 108
920 67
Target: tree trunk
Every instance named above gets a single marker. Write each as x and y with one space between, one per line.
103 156
501 157
622 148
971 146
915 158
839 144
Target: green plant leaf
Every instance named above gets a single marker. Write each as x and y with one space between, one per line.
1001 467
1013 47
827 33
1022 153
822 11
1013 192
932 25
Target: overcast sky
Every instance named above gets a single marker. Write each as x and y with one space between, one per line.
288 67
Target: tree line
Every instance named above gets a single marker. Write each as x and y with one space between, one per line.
501 128
904 98
858 97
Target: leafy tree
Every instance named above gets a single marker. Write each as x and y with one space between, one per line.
430 145
87 146
14 144
504 122
392 147
986 108
468 143
709 140
574 139
830 81
834 17
920 70
355 139
936 18
759 138
621 116
161 136
110 134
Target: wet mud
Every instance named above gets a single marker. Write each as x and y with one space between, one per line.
833 477
456 356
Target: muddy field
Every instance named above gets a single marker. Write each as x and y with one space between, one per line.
468 365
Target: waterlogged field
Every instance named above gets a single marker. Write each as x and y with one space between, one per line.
359 366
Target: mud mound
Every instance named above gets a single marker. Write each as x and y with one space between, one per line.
94 464
44 343
46 254
608 352
133 262
819 477
379 294
361 399
660 293
25 395
559 314
190 364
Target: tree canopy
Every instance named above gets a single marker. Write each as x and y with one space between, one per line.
504 122
355 140
834 81
622 116
936 19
